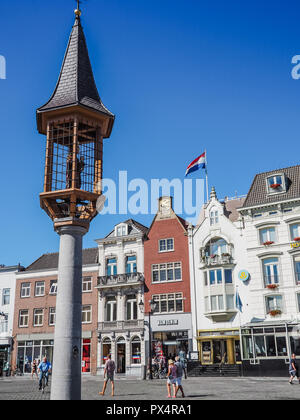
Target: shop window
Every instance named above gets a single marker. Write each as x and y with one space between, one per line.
295 345
136 351
86 355
260 349
281 346
106 349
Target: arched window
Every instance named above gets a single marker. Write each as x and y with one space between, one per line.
106 349
216 247
136 351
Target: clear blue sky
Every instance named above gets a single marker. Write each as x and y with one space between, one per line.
180 75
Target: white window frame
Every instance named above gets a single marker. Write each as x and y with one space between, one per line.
267 228
53 287
165 267
280 308
87 283
290 229
5 295
86 314
121 230
214 216
25 287
38 317
276 191
166 247
112 305
132 302
271 264
52 316
111 265
39 288
166 298
23 318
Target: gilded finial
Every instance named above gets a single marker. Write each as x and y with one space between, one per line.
78 11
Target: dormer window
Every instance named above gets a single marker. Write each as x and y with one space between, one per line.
214 217
276 184
121 230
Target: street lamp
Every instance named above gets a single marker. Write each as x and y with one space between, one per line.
152 309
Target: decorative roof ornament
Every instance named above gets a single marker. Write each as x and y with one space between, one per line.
213 194
78 11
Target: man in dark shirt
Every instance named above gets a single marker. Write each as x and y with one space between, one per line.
109 371
293 369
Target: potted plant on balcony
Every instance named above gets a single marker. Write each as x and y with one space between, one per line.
272 286
297 239
275 312
268 243
275 186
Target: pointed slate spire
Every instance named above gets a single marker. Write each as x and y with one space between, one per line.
76 84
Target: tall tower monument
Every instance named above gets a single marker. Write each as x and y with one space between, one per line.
75 122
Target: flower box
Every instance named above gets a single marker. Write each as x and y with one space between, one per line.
275 186
213 256
225 254
275 312
267 243
272 286
297 239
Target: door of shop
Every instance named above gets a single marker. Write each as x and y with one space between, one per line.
219 351
121 348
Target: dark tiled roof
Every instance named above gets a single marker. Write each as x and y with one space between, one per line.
50 261
76 84
258 194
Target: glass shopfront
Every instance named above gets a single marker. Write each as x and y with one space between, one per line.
38 349
169 344
217 347
270 341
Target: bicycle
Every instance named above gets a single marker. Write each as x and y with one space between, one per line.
43 382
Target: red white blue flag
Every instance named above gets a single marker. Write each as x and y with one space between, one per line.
199 163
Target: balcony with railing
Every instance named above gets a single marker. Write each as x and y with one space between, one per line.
110 326
213 260
120 279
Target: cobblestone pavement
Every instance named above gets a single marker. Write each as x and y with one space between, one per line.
203 388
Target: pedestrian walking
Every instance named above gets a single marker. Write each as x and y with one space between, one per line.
182 357
293 369
179 374
44 368
172 375
109 372
34 369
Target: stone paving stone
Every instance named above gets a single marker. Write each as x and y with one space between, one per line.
203 388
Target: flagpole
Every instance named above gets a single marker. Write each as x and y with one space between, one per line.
206 176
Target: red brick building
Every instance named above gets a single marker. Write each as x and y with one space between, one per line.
167 280
34 320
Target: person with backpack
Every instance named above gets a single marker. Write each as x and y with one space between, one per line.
180 372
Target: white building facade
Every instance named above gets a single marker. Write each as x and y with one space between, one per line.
121 299
217 250
271 220
7 300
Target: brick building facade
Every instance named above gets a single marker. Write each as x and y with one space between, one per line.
34 319
167 281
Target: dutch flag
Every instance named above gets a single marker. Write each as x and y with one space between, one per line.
199 163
